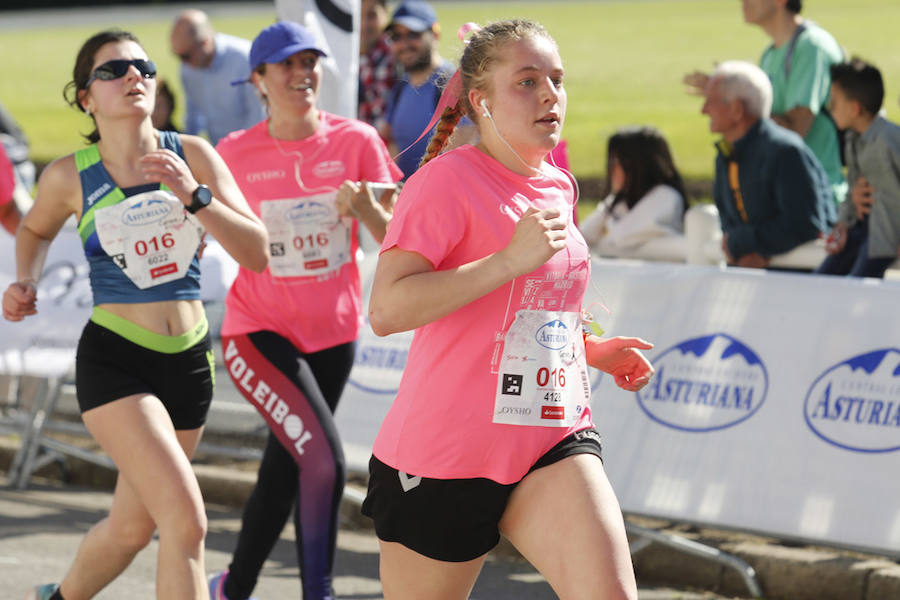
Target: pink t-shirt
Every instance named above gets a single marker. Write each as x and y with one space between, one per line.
314 303
7 178
460 207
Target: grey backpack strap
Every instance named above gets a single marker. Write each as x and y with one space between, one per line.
790 51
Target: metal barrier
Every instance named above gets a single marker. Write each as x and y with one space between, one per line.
36 449
648 536
32 420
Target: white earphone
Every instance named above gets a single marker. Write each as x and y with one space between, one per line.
485 112
262 87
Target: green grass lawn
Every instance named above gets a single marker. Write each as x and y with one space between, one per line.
624 62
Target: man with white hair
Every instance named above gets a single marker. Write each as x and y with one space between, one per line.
797 63
771 191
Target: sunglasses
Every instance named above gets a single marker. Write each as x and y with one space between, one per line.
409 35
115 69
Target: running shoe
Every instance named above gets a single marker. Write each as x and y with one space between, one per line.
42 592
217 586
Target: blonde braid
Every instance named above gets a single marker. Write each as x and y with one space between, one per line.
444 128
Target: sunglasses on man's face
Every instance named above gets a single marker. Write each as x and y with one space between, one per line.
115 69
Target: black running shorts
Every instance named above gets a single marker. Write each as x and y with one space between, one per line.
109 367
453 520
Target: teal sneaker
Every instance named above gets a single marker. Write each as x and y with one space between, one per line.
42 592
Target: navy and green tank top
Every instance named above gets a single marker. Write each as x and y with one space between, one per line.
108 283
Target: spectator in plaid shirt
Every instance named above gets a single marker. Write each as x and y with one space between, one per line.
376 63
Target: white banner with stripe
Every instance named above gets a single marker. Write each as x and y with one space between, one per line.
335 24
44 344
775 407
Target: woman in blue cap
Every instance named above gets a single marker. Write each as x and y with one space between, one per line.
289 333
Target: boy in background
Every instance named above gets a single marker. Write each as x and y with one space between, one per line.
865 240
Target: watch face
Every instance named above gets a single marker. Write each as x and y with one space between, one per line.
201 198
203 195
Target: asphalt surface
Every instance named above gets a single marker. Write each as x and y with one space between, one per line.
40 529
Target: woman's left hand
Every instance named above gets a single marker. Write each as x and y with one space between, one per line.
621 358
167 168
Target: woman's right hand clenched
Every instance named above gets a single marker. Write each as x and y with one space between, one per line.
19 300
539 235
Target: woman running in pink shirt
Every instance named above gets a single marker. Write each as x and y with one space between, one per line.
491 429
289 333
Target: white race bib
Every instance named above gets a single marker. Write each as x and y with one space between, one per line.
150 236
542 380
307 237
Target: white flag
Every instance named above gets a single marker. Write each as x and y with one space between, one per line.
335 25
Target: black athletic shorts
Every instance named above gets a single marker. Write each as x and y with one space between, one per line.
109 367
453 520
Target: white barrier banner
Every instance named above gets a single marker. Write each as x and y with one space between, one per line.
44 344
775 407
335 25
373 382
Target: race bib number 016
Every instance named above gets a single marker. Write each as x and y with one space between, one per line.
543 374
307 237
150 236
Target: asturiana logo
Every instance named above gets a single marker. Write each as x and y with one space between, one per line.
704 384
146 211
553 335
308 212
379 362
855 405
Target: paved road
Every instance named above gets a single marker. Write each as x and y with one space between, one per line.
40 529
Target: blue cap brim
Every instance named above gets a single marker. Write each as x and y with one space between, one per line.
283 53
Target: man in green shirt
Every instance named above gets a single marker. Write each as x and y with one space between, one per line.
797 63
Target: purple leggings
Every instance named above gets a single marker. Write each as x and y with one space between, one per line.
302 468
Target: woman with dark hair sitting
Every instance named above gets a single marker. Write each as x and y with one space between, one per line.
164 108
645 195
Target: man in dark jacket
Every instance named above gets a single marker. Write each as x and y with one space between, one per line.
771 191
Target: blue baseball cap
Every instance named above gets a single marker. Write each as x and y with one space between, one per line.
415 15
279 41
